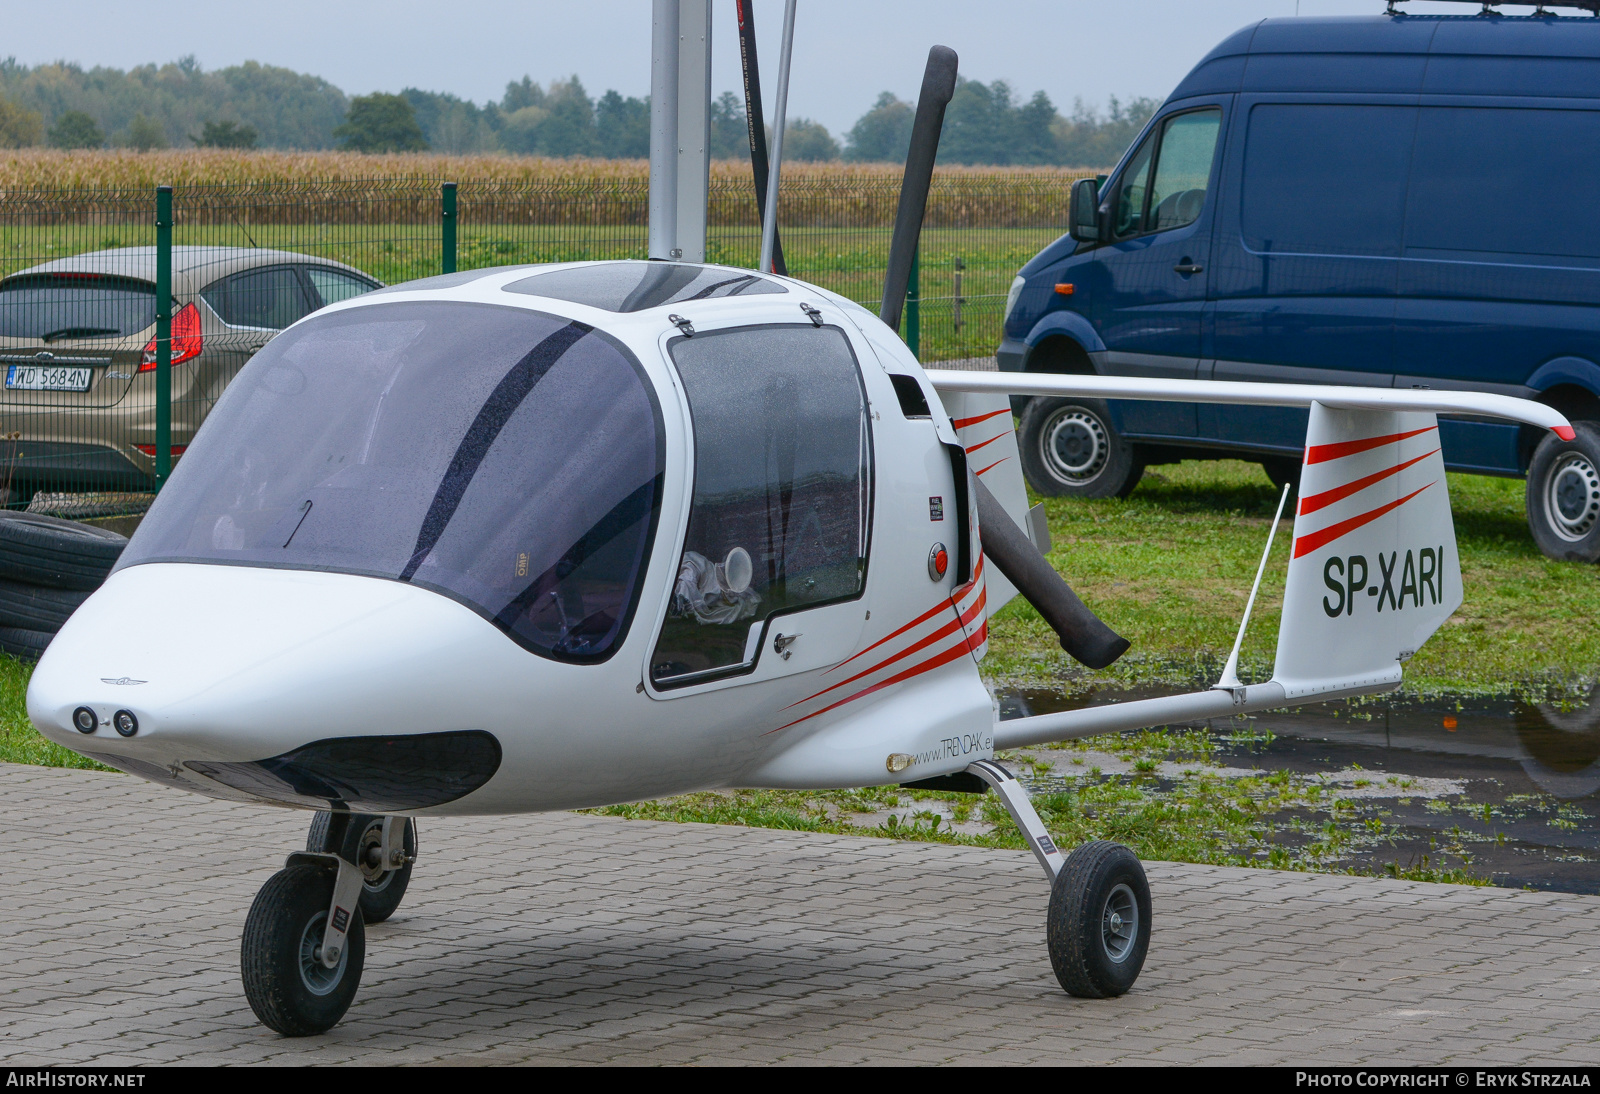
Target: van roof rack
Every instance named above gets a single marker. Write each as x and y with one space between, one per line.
1487 7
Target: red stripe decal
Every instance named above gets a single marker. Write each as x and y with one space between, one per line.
962 423
955 652
924 643
923 618
1339 493
995 464
1565 432
980 444
1322 453
1304 545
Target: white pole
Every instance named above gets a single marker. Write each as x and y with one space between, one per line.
1230 671
664 130
769 225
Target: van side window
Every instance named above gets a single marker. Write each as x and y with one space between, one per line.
1183 169
1179 158
1327 178
1512 181
782 491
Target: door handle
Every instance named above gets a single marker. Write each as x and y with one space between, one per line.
1187 267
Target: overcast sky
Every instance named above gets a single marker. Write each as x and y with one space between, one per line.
846 51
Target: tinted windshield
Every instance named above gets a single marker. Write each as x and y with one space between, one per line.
507 458
54 307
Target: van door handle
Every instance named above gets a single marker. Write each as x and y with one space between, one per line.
1187 267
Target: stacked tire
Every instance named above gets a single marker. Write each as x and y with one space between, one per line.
48 566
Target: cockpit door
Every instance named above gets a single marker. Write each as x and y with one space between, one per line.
773 564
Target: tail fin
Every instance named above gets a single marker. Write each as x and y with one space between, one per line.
1373 570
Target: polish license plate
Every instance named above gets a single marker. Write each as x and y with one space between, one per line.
48 378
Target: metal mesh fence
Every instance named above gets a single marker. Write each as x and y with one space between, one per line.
82 430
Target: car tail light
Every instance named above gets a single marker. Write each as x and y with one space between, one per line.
186 339
150 449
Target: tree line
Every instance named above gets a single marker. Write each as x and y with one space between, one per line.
254 105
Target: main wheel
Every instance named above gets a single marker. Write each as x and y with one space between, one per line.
1070 449
285 981
1563 494
381 890
1098 926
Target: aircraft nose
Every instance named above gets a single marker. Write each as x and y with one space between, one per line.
299 687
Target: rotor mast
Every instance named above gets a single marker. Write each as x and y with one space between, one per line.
680 128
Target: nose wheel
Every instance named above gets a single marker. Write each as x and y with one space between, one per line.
305 937
287 980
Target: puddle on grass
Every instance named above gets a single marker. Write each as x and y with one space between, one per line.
1507 788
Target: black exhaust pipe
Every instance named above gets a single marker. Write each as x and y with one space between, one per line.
1083 634
755 121
938 84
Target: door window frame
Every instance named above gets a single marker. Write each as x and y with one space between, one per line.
731 673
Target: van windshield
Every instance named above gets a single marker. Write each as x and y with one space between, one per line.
509 459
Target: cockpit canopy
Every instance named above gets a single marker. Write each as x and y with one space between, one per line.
507 458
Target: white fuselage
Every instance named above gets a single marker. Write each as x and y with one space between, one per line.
239 663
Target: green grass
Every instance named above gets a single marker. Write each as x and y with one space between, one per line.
20 743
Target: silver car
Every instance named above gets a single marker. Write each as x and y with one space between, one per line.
77 344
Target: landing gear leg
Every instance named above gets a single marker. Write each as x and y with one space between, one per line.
1098 926
305 937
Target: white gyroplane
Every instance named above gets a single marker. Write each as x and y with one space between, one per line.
553 537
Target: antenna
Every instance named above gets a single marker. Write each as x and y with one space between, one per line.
1230 672
755 121
938 84
769 219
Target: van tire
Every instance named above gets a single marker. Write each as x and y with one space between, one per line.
61 554
1283 471
1563 495
35 607
1070 449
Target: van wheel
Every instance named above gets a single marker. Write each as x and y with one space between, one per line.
1070 449
1563 495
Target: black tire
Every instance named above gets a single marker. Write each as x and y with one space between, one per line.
1094 955
1284 471
1563 495
380 894
1071 449
36 607
287 988
24 644
61 554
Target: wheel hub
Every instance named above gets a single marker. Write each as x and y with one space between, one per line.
1076 445
317 977
1572 497
1119 923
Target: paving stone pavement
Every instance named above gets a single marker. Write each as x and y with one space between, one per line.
565 938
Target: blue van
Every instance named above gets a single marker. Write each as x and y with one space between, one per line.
1396 201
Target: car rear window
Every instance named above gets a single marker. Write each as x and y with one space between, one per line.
57 307
269 298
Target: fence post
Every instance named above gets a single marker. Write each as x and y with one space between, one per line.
447 228
914 305
163 334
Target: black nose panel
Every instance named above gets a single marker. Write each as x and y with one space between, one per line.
367 774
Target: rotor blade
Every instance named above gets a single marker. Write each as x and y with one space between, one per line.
1083 634
938 84
755 121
